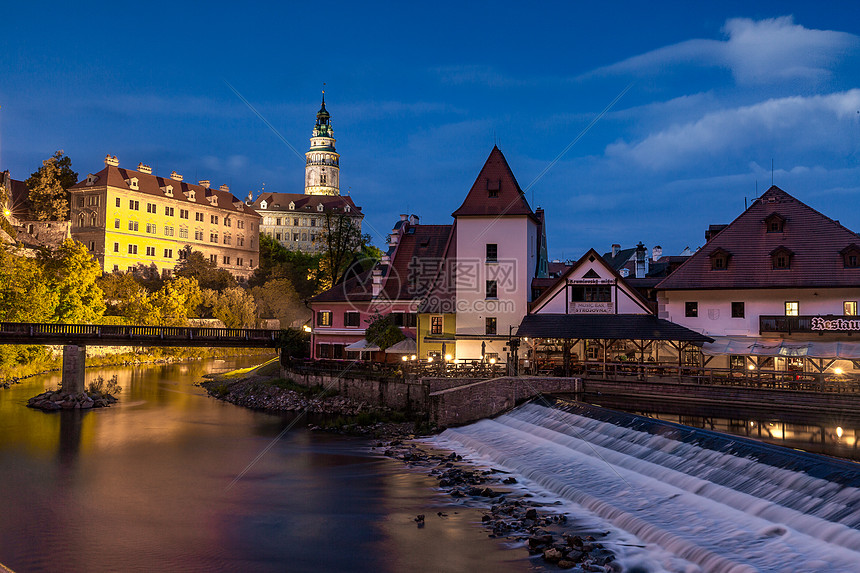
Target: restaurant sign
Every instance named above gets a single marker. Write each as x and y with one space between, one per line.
591 281
835 324
593 308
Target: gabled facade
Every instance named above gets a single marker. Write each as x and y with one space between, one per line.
780 274
500 249
128 217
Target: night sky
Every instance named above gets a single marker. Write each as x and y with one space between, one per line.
710 95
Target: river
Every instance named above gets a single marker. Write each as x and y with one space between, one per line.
170 479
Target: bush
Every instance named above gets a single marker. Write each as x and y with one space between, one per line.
99 387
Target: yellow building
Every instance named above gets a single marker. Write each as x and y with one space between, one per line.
130 217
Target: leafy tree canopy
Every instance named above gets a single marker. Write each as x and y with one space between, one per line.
382 331
279 262
342 240
49 198
207 273
71 272
234 307
278 299
24 294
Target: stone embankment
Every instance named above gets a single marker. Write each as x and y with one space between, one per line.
56 400
258 393
508 515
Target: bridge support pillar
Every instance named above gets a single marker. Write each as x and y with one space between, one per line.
74 361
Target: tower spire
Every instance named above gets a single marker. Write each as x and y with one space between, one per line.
322 169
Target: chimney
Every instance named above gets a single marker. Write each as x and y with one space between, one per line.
225 188
615 248
175 176
393 239
413 220
403 216
376 277
144 168
204 183
656 253
111 160
641 261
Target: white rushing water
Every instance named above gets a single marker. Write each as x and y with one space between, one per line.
695 509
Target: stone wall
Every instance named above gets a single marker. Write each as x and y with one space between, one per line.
487 398
410 396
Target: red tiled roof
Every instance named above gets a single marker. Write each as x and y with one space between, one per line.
281 202
814 239
149 184
420 251
495 178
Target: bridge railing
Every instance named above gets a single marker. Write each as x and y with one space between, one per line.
143 333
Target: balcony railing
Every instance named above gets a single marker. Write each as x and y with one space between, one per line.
811 323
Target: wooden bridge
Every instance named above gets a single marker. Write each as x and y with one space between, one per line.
76 337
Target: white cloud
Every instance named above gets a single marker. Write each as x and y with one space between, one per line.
797 123
756 52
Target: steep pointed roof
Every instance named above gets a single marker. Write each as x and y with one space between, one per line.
495 192
746 248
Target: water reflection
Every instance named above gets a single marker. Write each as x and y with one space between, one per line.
144 485
830 434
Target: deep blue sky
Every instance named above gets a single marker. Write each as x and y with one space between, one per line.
419 92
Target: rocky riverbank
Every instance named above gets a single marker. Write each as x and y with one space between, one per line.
555 537
332 412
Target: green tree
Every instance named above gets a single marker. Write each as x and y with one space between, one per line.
234 307
278 299
49 196
71 272
176 302
279 262
25 296
207 273
382 331
342 240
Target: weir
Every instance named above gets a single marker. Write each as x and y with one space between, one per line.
721 503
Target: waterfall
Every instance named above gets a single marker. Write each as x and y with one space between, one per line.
695 497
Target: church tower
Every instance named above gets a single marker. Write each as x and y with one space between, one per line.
322 170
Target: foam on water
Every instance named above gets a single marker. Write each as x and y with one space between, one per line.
722 508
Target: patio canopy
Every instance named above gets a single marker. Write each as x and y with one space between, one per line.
607 327
752 346
362 346
405 346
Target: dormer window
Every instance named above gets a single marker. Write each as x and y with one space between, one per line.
191 194
493 187
320 207
851 256
781 258
774 223
346 209
719 259
133 184
263 204
92 179
213 200
167 190
292 206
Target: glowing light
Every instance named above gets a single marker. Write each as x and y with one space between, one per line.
6 212
838 371
404 358
839 431
448 358
751 366
492 360
526 339
412 357
429 359
306 328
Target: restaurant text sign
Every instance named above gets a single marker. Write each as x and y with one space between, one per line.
838 324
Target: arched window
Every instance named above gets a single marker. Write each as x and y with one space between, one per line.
81 220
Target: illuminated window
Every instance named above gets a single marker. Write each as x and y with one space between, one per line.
849 308
435 325
792 308
324 318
